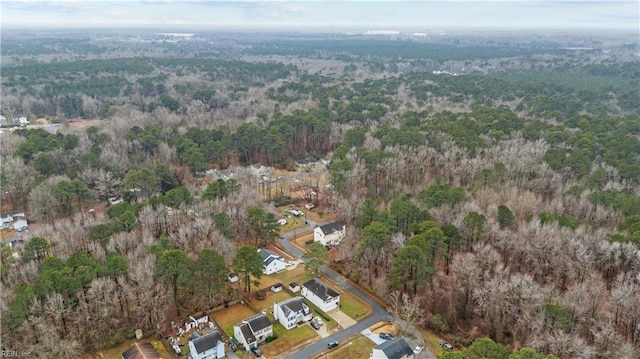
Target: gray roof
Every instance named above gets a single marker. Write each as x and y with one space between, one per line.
396 349
332 227
295 304
258 322
247 333
268 256
317 287
207 342
141 351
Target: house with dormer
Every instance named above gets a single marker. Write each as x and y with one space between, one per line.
253 330
292 311
320 294
271 262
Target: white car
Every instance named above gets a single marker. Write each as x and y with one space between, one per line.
418 349
319 320
290 263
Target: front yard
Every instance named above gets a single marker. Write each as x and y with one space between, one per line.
352 306
288 339
359 347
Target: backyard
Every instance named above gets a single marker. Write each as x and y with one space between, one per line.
116 352
228 317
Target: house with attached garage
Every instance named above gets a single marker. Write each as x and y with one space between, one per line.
318 293
208 346
292 311
271 262
330 234
393 349
253 330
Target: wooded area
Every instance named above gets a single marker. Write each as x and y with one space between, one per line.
494 183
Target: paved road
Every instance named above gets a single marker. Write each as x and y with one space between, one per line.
378 312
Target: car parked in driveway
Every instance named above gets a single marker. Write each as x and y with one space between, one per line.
332 344
418 349
315 325
386 336
256 352
318 320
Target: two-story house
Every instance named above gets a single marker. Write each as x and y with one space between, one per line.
292 311
208 346
318 293
330 234
271 262
253 330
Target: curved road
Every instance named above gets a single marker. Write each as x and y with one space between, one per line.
378 312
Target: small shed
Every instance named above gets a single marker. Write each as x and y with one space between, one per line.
294 287
276 287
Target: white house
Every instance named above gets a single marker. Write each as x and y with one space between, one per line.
271 262
253 330
393 349
320 294
292 311
21 120
330 234
209 346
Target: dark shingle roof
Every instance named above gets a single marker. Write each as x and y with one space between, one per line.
332 227
396 349
267 256
317 287
141 351
207 342
258 322
247 333
295 304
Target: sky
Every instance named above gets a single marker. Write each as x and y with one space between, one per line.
337 14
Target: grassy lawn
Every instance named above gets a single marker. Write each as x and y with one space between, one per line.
352 306
267 304
432 341
357 348
285 277
287 339
292 222
228 317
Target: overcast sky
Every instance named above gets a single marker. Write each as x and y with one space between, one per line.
369 14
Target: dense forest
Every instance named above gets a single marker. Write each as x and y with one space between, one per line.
495 181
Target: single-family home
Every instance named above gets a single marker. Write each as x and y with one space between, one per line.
208 346
392 349
292 311
307 162
3 121
141 351
318 293
271 262
253 330
330 234
21 120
